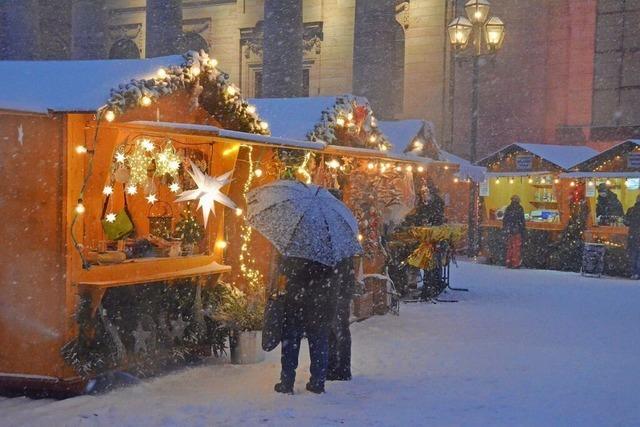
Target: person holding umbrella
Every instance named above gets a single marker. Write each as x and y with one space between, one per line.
312 231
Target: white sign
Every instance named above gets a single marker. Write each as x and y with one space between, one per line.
484 188
633 160
524 162
591 189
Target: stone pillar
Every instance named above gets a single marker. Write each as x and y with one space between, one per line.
88 29
282 49
164 28
22 32
374 54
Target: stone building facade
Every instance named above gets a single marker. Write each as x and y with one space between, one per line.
567 74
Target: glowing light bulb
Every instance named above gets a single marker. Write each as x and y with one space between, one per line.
511 181
591 184
109 116
80 209
350 116
409 168
370 166
340 121
608 182
195 71
162 73
107 190
360 237
446 167
264 125
333 164
556 181
258 173
383 148
81 149
418 145
572 184
239 212
221 244
373 138
251 109
145 101
420 169
543 181
213 62
530 180
497 180
456 180
398 169
231 91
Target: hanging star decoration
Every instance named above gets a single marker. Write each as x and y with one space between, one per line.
120 157
152 198
168 161
110 217
174 187
132 190
208 191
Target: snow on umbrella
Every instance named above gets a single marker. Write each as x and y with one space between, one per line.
304 221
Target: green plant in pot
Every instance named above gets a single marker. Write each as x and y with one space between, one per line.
243 315
190 232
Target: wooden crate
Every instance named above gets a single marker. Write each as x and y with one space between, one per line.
363 306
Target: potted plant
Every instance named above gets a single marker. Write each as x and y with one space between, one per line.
190 232
243 314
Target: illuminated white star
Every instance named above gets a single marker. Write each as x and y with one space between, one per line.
132 190
151 198
120 157
107 190
208 191
175 187
147 145
174 165
110 217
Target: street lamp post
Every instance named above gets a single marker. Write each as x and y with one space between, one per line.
486 35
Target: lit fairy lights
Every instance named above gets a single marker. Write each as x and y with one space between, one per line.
168 161
139 163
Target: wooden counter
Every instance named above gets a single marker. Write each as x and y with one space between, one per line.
530 225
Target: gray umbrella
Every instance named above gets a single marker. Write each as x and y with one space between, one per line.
304 221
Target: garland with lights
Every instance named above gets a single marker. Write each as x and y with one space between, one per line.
350 123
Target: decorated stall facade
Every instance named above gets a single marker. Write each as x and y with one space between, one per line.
124 195
377 183
534 173
618 171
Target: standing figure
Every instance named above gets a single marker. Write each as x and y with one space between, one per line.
632 220
308 310
513 225
343 279
608 207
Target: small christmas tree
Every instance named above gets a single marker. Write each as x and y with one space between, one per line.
188 229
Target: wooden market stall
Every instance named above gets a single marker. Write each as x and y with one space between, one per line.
534 173
617 168
378 184
107 249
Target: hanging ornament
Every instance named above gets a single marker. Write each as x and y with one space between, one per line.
132 190
107 190
139 163
208 191
168 161
152 198
174 187
122 174
120 157
110 217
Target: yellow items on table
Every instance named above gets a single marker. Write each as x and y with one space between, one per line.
424 255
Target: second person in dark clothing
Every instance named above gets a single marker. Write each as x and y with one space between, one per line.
632 220
308 311
343 283
513 225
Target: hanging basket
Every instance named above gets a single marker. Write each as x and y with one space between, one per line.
161 219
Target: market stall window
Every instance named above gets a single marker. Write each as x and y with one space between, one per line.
539 195
154 203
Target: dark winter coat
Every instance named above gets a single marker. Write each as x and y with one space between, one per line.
632 220
426 214
513 221
609 206
309 294
343 279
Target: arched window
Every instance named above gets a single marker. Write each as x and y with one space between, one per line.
124 49
194 41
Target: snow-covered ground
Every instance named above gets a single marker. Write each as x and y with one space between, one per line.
522 348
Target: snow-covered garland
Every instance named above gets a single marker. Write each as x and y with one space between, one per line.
209 87
350 117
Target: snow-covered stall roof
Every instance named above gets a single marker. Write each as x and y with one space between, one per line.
618 149
402 134
563 156
293 118
70 86
213 131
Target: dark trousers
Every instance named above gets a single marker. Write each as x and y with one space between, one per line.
340 341
634 260
318 350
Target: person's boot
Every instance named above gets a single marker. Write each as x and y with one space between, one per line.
315 388
335 376
283 388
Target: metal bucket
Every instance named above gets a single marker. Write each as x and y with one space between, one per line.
246 348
